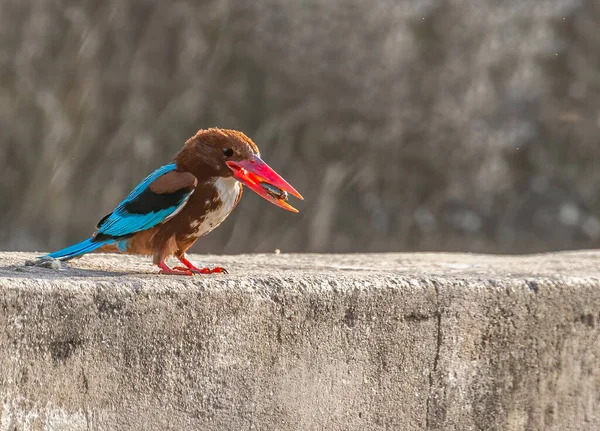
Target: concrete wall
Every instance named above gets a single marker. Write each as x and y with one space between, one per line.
303 342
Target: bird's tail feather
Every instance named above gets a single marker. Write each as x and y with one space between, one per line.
81 248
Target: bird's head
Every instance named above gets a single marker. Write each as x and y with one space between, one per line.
229 153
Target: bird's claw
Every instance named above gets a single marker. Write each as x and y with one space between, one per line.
218 270
215 270
166 270
175 271
191 267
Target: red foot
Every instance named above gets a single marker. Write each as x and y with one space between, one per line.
191 267
165 270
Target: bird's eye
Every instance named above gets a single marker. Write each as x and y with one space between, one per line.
228 152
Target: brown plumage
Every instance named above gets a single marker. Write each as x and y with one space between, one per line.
187 200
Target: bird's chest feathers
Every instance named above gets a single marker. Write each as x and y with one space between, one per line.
217 199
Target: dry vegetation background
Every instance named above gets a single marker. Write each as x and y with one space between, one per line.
407 125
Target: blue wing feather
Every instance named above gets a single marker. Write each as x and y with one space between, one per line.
122 223
146 182
83 247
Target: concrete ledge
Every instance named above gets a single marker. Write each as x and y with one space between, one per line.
303 342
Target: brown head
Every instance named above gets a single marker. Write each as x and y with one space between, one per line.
225 153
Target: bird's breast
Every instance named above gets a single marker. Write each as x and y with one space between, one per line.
211 203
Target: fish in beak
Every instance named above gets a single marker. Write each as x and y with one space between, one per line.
264 181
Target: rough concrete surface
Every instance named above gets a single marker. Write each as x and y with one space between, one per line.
303 342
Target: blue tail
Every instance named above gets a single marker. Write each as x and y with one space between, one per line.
81 248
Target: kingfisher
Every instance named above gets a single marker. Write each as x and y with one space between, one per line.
184 200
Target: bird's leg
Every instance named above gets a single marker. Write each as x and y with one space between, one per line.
164 269
191 267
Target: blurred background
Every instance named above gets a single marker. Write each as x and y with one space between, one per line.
453 125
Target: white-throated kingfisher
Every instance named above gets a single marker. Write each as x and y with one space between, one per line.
184 200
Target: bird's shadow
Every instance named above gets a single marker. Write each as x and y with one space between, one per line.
66 271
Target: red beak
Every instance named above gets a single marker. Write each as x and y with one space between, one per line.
264 181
